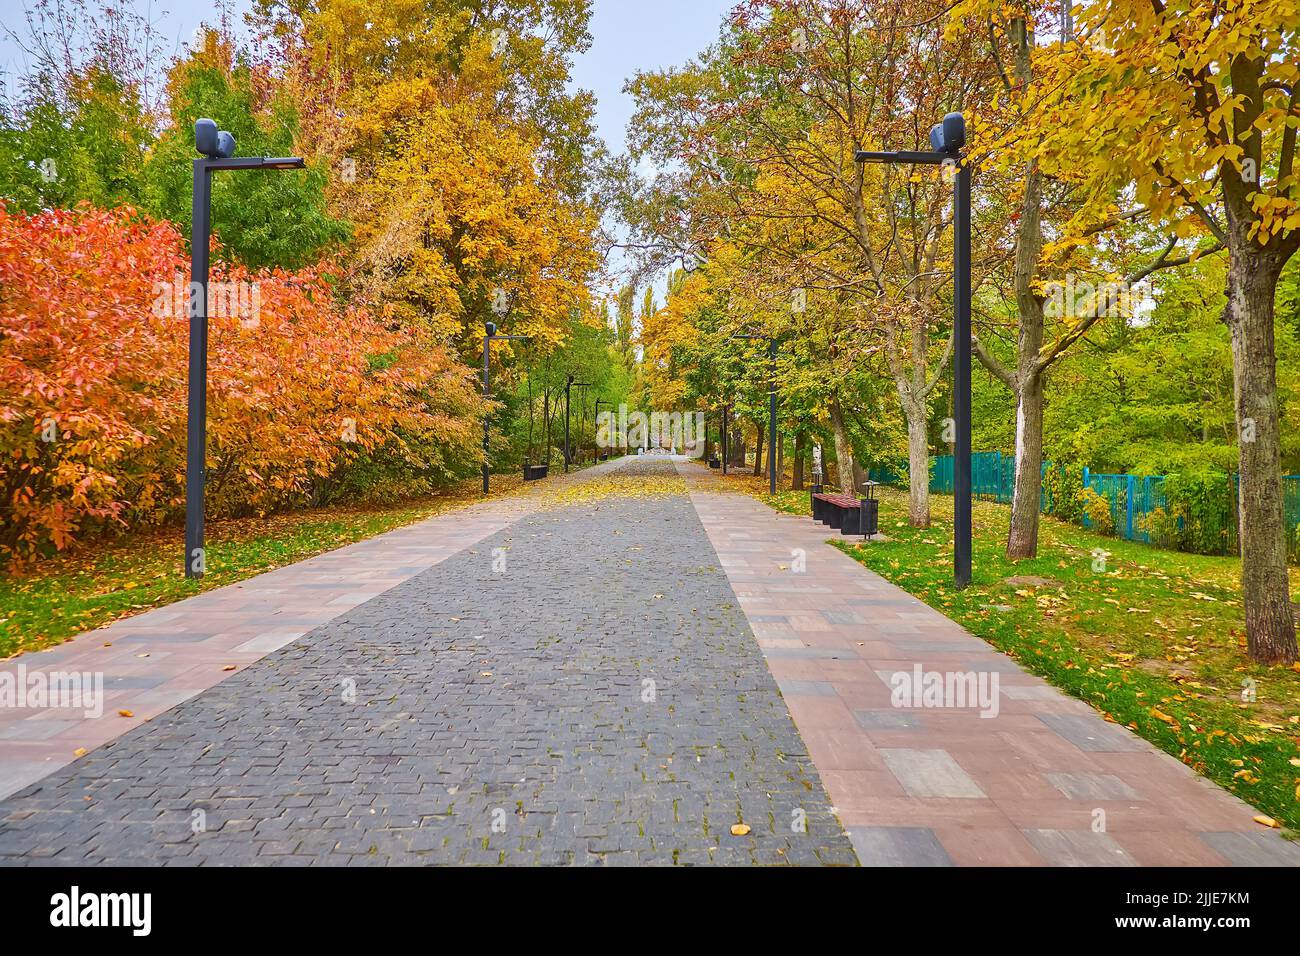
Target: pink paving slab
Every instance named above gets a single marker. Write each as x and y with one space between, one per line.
1045 781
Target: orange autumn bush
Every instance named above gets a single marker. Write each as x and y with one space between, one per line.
93 345
87 374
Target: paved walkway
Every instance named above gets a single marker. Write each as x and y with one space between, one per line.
597 698
1047 781
153 661
585 681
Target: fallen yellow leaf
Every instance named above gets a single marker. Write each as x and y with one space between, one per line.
125 713
79 752
1267 821
1161 715
742 829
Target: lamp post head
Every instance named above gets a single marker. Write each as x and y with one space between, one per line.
947 139
211 142
205 137
490 328
950 135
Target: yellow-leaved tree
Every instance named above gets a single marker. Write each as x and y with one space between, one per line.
1194 106
457 155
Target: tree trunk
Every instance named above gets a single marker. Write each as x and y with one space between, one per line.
843 450
1270 623
1022 539
918 463
800 451
758 450
859 476
1027 385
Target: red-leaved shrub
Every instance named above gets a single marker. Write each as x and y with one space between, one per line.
93 350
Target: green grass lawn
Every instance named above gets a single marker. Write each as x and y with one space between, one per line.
1155 640
97 585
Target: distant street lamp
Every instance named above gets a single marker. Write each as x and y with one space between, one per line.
596 420
946 141
771 407
568 452
490 336
582 417
726 443
218 150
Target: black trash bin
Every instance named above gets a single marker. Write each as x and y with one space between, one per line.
869 517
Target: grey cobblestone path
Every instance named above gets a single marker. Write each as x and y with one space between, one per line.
600 700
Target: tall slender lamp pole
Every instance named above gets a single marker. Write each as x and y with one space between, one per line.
771 416
946 141
490 336
961 380
217 148
596 422
771 407
569 383
726 440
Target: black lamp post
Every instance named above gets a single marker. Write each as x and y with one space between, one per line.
946 141
771 407
596 415
582 417
218 151
568 453
490 336
726 442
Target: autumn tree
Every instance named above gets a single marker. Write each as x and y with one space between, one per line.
455 152
76 126
767 125
249 212
303 388
1056 291
1194 105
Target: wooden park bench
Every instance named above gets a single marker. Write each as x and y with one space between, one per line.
846 513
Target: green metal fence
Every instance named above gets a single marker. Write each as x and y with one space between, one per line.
1138 505
992 476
